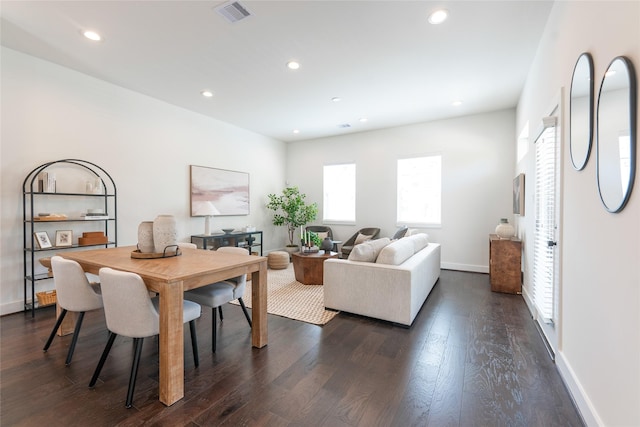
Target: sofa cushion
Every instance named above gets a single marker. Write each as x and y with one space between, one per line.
420 241
369 250
361 239
397 252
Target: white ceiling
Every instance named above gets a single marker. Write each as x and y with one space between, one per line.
382 58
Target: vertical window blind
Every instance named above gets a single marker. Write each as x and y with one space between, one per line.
545 228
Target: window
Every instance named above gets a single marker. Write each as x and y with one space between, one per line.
339 187
544 259
420 190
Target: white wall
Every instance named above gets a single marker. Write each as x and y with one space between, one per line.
477 178
598 333
51 113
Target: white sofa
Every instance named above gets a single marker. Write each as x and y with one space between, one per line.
387 281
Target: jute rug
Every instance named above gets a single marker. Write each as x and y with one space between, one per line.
288 298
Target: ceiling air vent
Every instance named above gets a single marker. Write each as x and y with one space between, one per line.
344 125
233 11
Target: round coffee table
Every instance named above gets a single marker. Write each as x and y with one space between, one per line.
309 268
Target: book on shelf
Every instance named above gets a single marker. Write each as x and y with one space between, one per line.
94 216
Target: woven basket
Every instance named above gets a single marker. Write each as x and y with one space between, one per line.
46 298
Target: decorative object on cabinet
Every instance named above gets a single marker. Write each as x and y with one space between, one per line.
249 240
61 185
227 230
64 238
505 257
518 195
617 134
581 111
504 230
218 192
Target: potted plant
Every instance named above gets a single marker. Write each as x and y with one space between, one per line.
290 209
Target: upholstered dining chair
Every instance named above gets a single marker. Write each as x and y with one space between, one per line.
74 293
217 294
131 312
360 236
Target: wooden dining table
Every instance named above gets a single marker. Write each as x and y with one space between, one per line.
170 277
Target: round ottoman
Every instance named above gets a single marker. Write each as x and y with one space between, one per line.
278 260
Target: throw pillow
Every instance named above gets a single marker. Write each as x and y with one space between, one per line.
396 253
420 241
368 251
361 239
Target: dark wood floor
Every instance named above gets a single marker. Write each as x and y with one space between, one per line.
472 358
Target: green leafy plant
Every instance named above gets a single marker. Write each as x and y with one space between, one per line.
315 239
290 209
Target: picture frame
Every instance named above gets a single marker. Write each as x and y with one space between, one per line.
518 195
218 192
64 238
42 240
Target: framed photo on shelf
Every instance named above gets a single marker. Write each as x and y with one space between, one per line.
42 239
64 238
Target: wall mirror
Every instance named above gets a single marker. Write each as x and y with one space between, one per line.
616 141
581 112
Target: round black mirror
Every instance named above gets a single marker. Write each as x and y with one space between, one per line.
616 143
581 112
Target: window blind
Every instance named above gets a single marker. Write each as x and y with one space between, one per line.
545 229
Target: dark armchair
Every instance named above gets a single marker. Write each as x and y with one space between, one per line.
321 229
351 242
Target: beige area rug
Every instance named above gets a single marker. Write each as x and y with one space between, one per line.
289 298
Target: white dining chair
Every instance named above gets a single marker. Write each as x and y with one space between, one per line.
74 293
217 294
131 312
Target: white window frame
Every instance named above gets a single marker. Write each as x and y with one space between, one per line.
339 186
423 185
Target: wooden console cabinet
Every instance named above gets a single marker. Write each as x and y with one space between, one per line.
504 264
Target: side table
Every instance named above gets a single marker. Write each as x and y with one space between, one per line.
309 268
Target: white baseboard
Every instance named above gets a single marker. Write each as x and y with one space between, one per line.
11 307
580 398
464 267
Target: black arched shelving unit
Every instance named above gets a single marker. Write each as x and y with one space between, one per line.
82 199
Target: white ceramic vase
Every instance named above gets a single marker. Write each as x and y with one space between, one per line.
504 230
145 237
164 232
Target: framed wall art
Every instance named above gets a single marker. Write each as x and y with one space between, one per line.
64 238
218 192
518 195
42 239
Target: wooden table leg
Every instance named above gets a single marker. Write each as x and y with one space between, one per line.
259 306
171 343
68 324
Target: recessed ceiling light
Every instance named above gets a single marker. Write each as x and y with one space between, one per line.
92 35
363 120
336 99
456 103
207 93
438 16
293 65
296 131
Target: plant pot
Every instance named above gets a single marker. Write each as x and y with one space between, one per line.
291 249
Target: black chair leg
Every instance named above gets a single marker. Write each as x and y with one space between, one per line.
213 330
103 358
55 329
246 313
220 311
134 371
74 340
194 342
